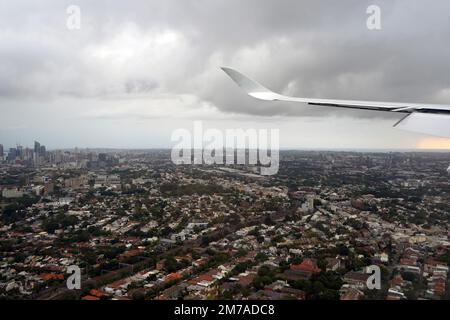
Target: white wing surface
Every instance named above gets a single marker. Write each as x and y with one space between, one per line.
429 119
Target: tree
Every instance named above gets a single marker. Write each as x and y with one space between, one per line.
264 271
50 226
409 276
170 264
260 257
138 295
260 282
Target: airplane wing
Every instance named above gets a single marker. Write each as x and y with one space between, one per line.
429 119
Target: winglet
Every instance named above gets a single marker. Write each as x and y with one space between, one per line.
250 86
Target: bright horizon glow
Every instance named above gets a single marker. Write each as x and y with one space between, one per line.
434 143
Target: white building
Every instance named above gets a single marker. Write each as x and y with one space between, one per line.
12 193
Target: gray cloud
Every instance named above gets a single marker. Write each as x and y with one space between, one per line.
303 47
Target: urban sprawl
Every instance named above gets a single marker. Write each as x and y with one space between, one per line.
140 227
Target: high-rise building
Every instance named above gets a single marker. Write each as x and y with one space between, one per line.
37 148
12 154
102 157
1 152
19 151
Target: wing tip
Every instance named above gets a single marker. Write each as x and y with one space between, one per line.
251 87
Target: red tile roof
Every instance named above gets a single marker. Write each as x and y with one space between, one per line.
397 280
247 280
51 276
351 295
307 265
97 293
200 278
173 277
117 284
408 262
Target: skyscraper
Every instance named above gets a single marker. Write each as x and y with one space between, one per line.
37 148
19 151
12 154
1 152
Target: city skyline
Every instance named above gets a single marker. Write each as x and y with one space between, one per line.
432 144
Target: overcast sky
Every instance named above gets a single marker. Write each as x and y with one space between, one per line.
137 70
